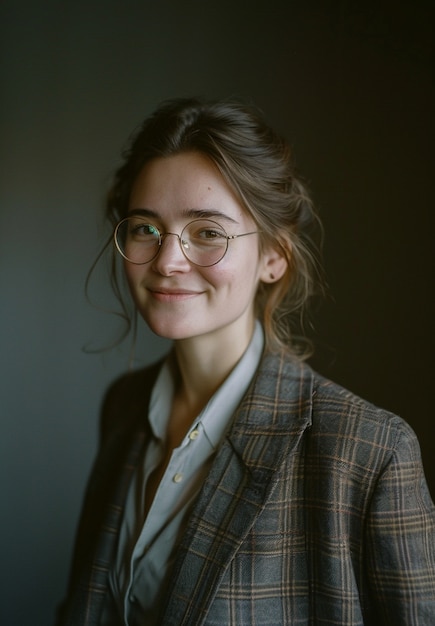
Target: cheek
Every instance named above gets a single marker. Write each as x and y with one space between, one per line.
223 274
236 277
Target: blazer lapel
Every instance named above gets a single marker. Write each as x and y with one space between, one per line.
267 427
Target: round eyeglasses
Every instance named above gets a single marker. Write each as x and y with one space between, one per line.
202 241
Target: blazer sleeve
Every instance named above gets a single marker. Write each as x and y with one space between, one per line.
121 421
400 531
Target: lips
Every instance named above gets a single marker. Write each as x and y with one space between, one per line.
172 295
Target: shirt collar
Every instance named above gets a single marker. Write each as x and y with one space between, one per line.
217 413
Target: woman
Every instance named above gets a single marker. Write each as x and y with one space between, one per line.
233 484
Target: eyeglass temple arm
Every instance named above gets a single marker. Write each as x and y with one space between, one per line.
254 232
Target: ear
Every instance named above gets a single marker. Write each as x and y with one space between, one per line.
274 265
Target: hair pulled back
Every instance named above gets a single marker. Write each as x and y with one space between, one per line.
258 166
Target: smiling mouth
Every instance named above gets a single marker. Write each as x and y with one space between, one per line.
172 296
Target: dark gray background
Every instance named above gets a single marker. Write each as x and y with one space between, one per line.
352 87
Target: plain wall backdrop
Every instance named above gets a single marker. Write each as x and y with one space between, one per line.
350 85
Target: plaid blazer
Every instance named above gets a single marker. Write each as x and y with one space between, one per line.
315 511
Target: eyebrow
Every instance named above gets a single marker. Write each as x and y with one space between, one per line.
189 213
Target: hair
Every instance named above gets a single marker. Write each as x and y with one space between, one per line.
258 165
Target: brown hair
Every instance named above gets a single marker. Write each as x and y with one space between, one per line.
258 165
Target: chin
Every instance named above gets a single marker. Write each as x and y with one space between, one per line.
170 331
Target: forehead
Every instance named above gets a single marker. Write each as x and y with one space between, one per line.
183 182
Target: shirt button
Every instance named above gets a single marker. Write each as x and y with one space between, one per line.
194 434
177 478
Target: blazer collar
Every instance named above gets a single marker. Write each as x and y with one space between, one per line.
267 427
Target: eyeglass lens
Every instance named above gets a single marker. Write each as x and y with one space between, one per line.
203 242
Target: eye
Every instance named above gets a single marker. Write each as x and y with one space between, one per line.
206 232
210 233
143 230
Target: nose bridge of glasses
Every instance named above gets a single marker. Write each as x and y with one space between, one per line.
183 243
163 235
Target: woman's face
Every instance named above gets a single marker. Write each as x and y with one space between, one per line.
176 298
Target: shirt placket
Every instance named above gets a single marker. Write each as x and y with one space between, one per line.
170 490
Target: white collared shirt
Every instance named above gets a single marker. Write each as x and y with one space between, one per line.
145 548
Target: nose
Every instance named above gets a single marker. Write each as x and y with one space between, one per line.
170 258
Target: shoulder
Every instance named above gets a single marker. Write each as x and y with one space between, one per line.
133 381
343 425
357 436
127 398
345 413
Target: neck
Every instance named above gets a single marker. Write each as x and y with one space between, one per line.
204 363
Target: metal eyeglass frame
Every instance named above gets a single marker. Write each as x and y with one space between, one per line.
161 236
